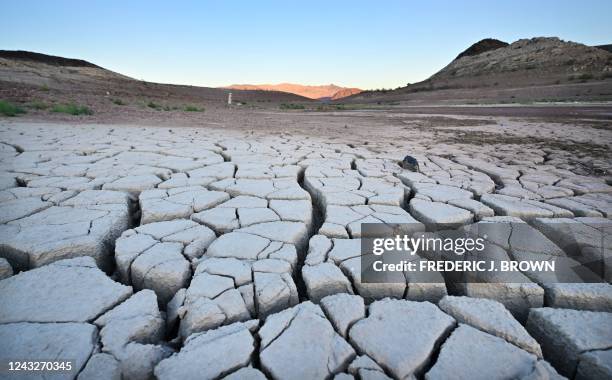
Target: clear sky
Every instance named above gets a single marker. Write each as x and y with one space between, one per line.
367 44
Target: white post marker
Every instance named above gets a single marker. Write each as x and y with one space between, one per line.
229 99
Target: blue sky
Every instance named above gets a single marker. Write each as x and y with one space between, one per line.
363 44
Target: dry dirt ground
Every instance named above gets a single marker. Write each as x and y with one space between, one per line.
227 244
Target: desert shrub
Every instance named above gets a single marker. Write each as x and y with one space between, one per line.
154 105
72 109
191 108
38 105
9 109
291 106
118 102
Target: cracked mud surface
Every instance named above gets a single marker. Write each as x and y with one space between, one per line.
150 252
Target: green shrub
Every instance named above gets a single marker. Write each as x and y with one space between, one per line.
72 109
291 106
193 109
154 105
44 88
38 105
161 107
118 102
9 109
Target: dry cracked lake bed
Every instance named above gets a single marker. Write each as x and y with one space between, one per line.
138 252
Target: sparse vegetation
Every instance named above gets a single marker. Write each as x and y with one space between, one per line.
118 102
38 105
191 108
72 109
154 105
291 106
9 109
44 88
331 107
582 77
347 107
161 107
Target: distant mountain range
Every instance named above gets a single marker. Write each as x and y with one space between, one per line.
325 92
490 71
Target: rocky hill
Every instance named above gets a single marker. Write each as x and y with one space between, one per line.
607 48
526 70
536 60
323 92
51 71
22 55
35 77
482 46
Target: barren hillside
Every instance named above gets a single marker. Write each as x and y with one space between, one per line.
537 69
33 77
538 60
